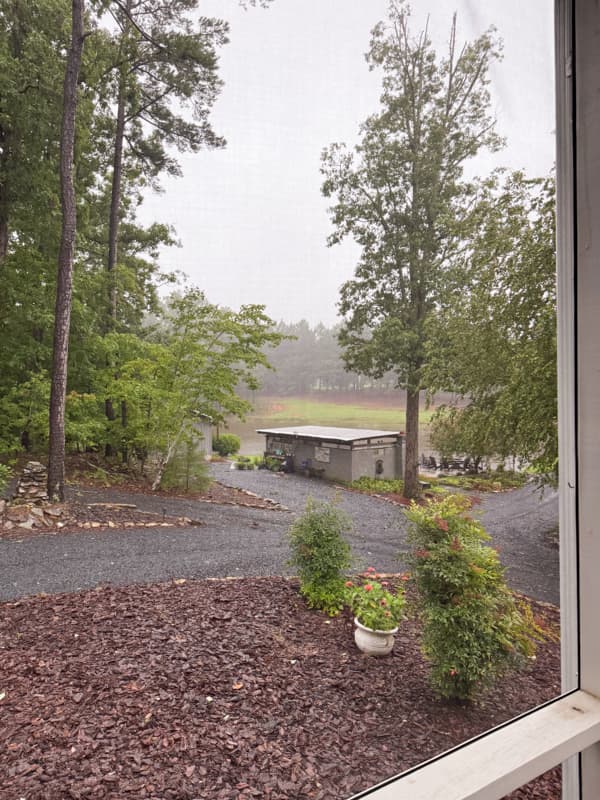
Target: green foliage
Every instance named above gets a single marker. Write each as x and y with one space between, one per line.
187 469
226 444
373 604
486 481
492 340
272 464
5 476
383 486
321 554
400 194
473 629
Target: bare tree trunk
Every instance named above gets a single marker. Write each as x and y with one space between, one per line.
64 286
113 231
115 206
3 198
411 459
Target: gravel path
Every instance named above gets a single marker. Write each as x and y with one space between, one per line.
236 541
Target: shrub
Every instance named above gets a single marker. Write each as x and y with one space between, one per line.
378 485
226 444
5 476
187 469
473 628
321 554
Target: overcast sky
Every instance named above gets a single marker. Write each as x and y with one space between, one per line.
251 220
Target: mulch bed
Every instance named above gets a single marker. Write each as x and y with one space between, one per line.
224 689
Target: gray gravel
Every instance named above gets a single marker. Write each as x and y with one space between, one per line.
236 541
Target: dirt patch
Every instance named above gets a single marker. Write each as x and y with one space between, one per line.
17 521
224 689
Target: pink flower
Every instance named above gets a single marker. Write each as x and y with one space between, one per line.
383 601
368 587
453 672
370 569
384 583
405 576
348 584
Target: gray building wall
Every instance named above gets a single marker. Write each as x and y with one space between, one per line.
342 462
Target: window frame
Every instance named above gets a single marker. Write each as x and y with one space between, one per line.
566 729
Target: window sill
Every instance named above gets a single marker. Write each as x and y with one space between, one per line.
495 764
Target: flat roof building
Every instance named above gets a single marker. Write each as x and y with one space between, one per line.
343 454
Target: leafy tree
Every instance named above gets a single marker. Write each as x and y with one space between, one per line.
194 366
401 195
161 66
492 339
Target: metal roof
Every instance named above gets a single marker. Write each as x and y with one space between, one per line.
333 434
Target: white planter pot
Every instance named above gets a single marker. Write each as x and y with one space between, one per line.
371 642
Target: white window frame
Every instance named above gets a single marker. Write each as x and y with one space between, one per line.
566 729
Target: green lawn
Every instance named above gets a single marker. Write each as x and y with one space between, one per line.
283 411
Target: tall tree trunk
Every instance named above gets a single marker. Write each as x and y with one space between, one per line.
115 206
3 198
411 453
113 230
64 287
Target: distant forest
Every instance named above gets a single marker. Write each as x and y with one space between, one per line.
311 361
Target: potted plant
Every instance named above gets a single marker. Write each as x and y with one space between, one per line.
377 612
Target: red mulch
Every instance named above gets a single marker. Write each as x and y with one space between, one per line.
223 689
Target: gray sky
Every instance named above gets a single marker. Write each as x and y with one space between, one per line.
250 218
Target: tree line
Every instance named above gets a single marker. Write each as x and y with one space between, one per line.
310 359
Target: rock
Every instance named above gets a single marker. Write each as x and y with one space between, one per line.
55 510
19 513
32 483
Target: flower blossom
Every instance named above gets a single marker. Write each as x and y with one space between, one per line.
368 587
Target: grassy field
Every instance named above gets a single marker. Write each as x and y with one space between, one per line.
347 411
346 414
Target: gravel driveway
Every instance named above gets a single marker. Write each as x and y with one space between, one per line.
236 541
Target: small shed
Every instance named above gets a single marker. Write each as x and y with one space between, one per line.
343 454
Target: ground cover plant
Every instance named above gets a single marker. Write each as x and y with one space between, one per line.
224 689
498 481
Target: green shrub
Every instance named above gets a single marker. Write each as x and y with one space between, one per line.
378 485
473 628
226 444
5 476
486 481
272 464
187 469
321 554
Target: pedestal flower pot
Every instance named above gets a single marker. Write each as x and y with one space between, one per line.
372 642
